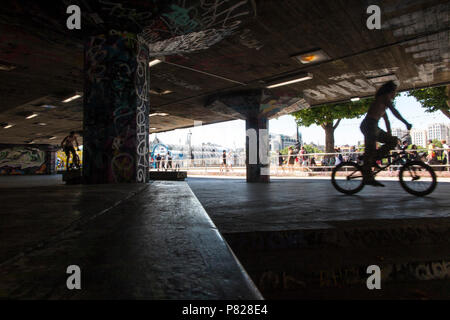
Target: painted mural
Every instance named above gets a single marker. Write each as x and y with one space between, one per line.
61 160
21 160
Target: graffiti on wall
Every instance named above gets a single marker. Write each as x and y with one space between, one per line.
270 280
110 110
169 77
195 25
61 160
430 51
21 160
342 88
353 83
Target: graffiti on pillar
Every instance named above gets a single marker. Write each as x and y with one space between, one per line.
110 110
142 115
20 160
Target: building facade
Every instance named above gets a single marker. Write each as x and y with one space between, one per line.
419 137
280 141
439 131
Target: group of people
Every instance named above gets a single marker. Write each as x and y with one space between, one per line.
228 161
308 161
301 158
435 155
164 162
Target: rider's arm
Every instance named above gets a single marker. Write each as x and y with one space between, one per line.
388 124
399 117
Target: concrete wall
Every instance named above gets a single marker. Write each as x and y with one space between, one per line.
27 159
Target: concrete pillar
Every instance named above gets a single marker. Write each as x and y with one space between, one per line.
257 149
116 110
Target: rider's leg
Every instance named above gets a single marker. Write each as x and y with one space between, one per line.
67 161
368 128
75 158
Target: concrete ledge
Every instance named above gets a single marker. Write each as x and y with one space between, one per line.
332 262
168 175
73 176
160 244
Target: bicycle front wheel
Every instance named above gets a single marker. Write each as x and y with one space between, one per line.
418 178
347 177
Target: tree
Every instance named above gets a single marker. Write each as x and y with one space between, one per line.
433 99
329 117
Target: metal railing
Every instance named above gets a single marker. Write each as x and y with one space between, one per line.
301 161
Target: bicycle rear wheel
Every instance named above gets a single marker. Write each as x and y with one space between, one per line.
347 177
418 178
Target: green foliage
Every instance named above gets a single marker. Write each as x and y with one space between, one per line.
312 149
419 148
326 114
432 99
437 143
285 151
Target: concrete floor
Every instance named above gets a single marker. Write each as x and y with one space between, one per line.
292 204
301 239
157 242
30 181
131 241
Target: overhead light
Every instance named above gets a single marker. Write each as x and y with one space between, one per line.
312 57
5 66
355 99
159 114
160 92
153 128
31 116
291 80
41 124
8 125
52 138
77 96
154 62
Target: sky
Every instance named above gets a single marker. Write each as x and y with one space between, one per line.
231 134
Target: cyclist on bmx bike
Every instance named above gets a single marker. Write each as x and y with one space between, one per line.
372 133
67 145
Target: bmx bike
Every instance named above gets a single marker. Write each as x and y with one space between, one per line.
416 177
75 162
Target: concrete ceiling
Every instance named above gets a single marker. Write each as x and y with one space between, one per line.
244 44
